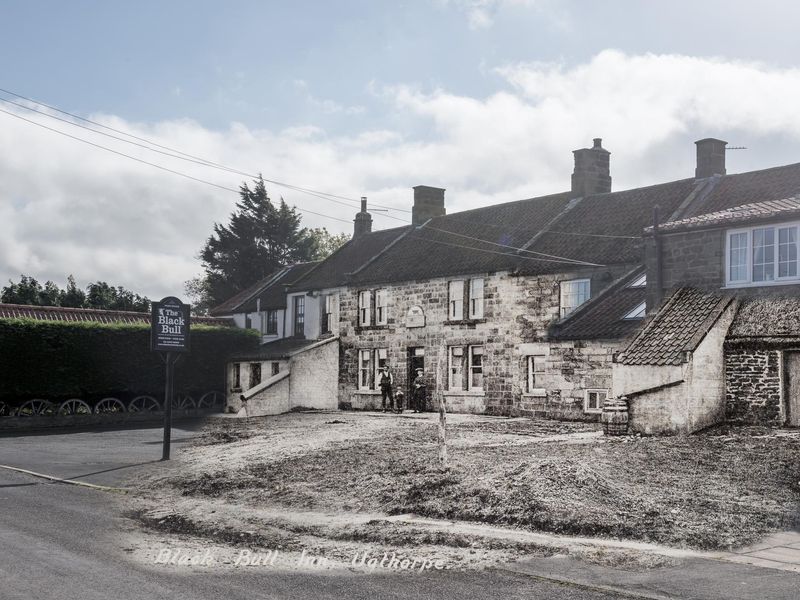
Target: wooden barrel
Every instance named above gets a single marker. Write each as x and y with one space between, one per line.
615 416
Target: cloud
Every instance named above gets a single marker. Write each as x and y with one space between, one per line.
70 208
481 13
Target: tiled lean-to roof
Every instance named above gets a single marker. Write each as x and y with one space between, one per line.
603 317
748 213
767 317
90 315
678 327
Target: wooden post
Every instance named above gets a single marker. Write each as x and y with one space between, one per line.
442 409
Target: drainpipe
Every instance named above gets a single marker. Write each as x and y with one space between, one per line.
659 272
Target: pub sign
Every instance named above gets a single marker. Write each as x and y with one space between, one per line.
169 326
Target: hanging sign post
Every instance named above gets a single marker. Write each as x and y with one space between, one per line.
169 336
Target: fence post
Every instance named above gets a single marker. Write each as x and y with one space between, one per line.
442 409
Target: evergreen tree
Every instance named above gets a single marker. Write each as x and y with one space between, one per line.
259 239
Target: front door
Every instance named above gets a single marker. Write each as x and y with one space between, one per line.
416 360
792 388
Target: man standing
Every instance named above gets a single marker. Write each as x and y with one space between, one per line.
387 383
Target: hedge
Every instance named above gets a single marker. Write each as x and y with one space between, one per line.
59 360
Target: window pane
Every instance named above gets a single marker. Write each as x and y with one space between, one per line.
787 252
737 257
456 300
573 294
476 367
764 254
476 298
456 381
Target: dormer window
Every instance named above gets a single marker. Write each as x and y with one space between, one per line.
573 293
639 282
761 255
637 313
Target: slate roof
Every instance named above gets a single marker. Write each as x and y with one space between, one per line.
602 317
748 188
337 269
678 327
625 213
767 317
757 211
90 315
270 290
277 350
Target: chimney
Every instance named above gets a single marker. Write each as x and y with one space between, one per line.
592 174
428 203
363 222
710 158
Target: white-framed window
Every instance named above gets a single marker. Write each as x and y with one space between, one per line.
574 292
365 308
271 322
762 255
365 369
476 298
637 312
594 399
299 316
456 368
536 369
381 307
476 367
455 295
381 360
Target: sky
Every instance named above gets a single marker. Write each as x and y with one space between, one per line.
486 98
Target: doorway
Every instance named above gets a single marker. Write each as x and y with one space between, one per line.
416 360
792 398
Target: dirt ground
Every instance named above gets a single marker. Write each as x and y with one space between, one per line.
716 490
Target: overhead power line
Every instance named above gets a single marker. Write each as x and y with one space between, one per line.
167 150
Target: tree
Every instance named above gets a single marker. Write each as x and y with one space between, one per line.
103 296
28 291
259 239
327 243
72 296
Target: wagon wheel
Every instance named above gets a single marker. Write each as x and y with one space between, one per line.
144 404
109 405
74 406
36 407
183 402
210 400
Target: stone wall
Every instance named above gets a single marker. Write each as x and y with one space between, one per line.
518 310
752 385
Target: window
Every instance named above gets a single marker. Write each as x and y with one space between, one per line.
237 376
573 294
536 369
476 367
638 312
248 322
639 282
272 322
594 400
327 315
364 309
476 298
299 316
456 368
381 311
255 374
364 369
381 360
762 255
276 368
455 292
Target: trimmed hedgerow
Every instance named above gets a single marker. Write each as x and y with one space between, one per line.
59 360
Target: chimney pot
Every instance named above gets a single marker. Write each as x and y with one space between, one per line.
428 203
592 173
363 222
710 158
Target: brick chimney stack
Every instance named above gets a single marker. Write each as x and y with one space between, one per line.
710 158
363 222
592 173
428 203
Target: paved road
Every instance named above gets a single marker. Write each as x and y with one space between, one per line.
65 542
